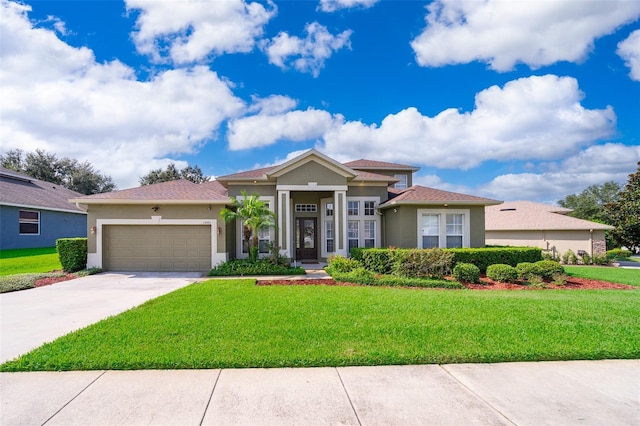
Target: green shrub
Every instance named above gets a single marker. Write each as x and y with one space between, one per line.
483 257
414 263
502 273
524 270
23 281
569 257
342 264
72 253
601 259
586 258
377 260
242 267
536 281
549 255
546 269
357 252
466 273
393 281
559 279
618 253
356 276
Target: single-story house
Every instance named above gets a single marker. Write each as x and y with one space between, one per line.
322 207
525 223
35 213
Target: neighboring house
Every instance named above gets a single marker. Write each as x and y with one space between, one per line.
525 223
322 208
34 213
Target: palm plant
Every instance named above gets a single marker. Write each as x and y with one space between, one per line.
256 216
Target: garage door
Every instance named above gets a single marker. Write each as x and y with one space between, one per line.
156 248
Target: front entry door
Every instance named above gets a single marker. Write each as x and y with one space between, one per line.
306 239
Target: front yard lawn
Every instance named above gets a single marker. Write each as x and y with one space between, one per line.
230 324
23 261
614 275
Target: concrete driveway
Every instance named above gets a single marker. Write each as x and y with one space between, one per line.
32 317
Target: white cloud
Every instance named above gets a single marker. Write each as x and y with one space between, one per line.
334 5
308 54
593 166
58 98
534 118
193 30
504 33
629 50
262 130
271 105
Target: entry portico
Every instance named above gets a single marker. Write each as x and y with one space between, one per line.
322 207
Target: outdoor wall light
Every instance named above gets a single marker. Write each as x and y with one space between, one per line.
155 208
219 230
93 229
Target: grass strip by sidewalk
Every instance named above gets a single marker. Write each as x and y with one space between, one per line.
230 324
615 275
23 261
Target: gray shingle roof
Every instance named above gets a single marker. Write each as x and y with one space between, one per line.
530 216
424 195
20 190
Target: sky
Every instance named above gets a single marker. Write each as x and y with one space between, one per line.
511 100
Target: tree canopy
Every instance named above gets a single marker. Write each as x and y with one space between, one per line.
624 213
589 204
67 172
193 174
256 216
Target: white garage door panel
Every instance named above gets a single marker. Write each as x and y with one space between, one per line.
157 247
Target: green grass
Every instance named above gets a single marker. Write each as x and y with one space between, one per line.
233 323
614 275
23 261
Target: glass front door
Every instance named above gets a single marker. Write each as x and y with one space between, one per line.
306 239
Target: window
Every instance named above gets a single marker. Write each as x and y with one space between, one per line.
402 184
369 233
329 209
328 229
306 207
352 233
430 230
29 222
369 208
455 230
353 208
444 228
265 236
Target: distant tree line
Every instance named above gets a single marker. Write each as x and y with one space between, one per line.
193 174
66 172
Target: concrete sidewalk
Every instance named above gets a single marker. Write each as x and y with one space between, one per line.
562 393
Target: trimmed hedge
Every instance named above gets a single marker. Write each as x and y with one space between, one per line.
483 257
241 267
72 253
383 260
502 273
547 269
618 253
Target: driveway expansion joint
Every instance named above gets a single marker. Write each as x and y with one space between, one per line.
355 413
76 396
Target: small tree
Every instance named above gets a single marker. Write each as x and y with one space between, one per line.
625 213
256 216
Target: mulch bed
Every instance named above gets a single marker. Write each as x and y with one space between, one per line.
573 283
52 280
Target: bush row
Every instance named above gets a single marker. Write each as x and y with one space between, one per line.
243 267
384 260
363 276
543 269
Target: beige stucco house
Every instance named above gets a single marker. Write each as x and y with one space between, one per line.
322 207
525 223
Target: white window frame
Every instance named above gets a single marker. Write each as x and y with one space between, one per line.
364 233
349 208
240 254
29 222
329 225
306 208
466 224
404 181
358 236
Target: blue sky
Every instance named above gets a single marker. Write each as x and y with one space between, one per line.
505 99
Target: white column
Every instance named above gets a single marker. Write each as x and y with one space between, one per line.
284 223
340 225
